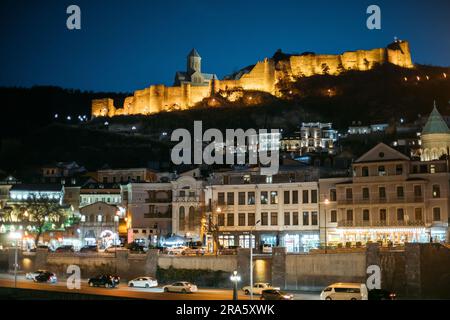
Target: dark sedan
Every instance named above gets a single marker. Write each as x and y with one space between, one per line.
46 277
104 280
273 294
380 294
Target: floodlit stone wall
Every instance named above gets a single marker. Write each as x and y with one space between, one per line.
262 77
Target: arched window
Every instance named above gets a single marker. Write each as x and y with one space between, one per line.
191 218
181 219
92 218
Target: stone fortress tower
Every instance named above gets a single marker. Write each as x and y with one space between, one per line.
435 137
192 86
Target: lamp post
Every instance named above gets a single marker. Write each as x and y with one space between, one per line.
326 202
235 278
251 259
16 236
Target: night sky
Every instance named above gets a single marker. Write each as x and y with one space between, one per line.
128 45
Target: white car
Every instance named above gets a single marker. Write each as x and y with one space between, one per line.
182 286
143 282
345 291
33 275
258 288
177 250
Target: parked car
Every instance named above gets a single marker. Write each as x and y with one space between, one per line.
182 286
267 248
113 248
194 251
143 282
65 248
228 251
345 291
32 275
46 277
104 280
273 294
176 250
258 288
135 247
380 294
41 247
91 248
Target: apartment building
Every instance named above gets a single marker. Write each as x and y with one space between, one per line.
126 175
250 209
149 211
389 199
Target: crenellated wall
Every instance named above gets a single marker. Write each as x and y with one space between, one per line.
263 77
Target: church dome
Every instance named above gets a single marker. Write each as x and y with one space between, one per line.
435 123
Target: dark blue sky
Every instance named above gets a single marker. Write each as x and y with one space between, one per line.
128 45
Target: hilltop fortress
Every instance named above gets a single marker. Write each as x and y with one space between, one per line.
192 86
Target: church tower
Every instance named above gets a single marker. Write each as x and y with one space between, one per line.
435 137
194 62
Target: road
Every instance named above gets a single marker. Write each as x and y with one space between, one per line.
7 280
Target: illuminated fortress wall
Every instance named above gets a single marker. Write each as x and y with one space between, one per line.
262 77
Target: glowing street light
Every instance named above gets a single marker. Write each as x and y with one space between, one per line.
326 202
15 236
235 278
251 259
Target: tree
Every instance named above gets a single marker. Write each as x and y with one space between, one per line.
213 223
40 212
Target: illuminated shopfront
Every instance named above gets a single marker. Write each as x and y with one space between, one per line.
397 235
300 242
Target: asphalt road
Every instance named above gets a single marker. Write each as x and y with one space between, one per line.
7 280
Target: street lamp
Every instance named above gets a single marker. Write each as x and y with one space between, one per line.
235 278
326 202
15 236
251 259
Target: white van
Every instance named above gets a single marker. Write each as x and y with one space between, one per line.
345 291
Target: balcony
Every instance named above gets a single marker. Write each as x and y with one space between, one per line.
380 223
158 215
156 200
392 200
186 199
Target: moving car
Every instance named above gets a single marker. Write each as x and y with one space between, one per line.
32 275
273 294
380 294
143 282
258 288
65 249
104 280
182 286
345 291
46 277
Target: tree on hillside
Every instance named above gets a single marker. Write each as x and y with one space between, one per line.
41 213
